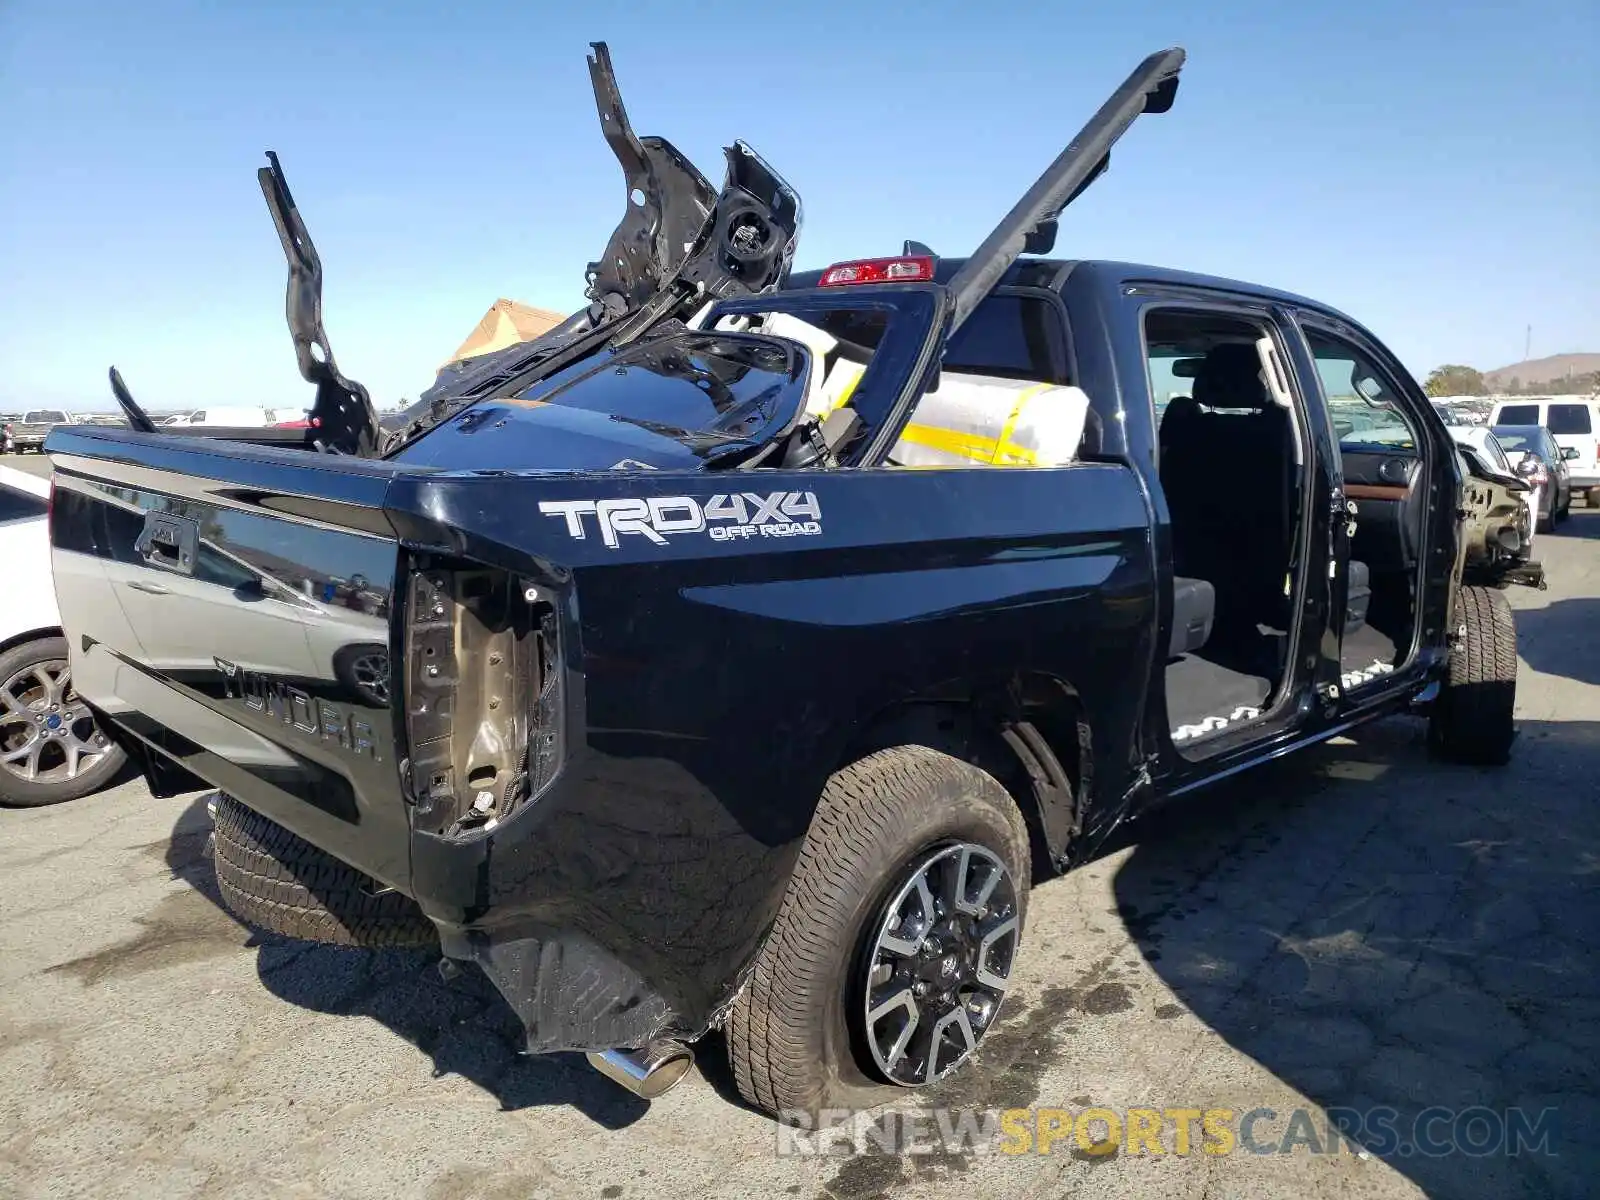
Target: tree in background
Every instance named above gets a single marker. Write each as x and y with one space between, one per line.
1452 379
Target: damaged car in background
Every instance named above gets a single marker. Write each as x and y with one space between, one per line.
756 638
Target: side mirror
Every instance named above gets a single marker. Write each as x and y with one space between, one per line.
1529 464
1569 452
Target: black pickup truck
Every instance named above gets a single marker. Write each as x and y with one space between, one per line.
735 655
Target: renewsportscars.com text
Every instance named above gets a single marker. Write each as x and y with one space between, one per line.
1382 1131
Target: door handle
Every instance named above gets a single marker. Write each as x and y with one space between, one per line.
154 589
168 542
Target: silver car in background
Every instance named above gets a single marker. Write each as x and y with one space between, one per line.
1536 456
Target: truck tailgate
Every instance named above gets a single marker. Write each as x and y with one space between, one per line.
234 606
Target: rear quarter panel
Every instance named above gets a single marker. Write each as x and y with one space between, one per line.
717 683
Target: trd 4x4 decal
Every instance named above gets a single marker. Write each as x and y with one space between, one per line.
723 518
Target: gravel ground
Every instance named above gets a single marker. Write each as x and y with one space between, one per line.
1360 927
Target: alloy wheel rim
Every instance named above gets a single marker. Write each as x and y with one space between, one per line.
370 673
47 734
940 963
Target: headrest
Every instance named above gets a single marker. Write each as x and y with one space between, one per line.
1230 377
1178 410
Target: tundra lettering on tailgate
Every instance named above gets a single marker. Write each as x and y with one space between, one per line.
722 517
297 708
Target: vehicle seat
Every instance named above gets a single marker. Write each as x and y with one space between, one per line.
1228 476
1175 421
1194 606
1360 596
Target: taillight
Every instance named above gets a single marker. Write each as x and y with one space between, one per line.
913 268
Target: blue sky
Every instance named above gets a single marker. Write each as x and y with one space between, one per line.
1436 174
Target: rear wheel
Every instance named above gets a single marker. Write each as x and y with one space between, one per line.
1473 718
51 747
896 941
278 881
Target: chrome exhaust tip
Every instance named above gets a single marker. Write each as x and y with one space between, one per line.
646 1073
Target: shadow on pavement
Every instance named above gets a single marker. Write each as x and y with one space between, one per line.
1580 523
1435 951
463 1024
1558 639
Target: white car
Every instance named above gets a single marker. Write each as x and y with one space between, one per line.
1574 422
1480 439
51 749
234 416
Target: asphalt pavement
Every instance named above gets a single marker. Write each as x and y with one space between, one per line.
1359 930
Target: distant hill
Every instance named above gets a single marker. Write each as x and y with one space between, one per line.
1542 372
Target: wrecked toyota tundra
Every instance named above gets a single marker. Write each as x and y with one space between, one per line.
736 654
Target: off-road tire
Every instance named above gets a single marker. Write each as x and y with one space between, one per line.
1472 719
277 881
790 1043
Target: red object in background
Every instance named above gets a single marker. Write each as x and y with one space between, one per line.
302 423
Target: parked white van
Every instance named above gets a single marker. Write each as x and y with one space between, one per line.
238 417
1574 421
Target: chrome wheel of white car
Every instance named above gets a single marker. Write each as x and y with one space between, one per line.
51 747
371 673
364 669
